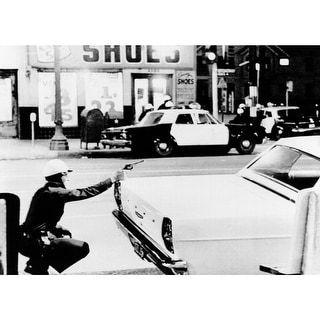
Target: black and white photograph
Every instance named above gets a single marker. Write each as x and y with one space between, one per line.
150 167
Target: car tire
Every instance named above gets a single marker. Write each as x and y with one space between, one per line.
246 144
275 133
163 147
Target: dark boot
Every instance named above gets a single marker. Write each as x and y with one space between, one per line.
36 267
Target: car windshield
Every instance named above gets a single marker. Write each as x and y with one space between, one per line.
289 166
289 113
151 118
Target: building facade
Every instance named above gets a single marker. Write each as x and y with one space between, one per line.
121 80
118 80
281 75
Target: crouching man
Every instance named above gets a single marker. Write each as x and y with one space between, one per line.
41 239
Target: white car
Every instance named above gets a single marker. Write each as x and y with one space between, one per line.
220 224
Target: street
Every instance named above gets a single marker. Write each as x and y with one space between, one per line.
91 220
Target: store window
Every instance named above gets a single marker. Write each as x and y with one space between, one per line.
5 99
150 89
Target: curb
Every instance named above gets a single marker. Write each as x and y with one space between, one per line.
94 153
17 152
49 154
28 156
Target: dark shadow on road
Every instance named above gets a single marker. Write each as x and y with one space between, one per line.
145 271
182 152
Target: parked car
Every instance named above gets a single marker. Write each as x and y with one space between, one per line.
164 131
287 122
220 224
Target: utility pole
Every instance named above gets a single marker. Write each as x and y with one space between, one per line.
58 141
253 75
214 83
211 56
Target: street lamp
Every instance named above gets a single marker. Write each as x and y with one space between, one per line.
258 80
58 141
212 59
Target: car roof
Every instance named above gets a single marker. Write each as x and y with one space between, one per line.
181 111
308 144
279 108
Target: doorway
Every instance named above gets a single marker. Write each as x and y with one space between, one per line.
8 103
150 89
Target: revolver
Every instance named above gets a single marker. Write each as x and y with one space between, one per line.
117 184
129 166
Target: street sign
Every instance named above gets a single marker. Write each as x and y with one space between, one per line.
222 83
33 117
290 86
225 72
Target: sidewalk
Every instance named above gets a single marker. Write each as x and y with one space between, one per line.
15 149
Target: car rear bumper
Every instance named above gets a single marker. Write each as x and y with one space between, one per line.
311 130
116 142
146 248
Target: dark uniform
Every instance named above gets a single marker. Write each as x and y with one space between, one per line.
41 239
142 115
163 106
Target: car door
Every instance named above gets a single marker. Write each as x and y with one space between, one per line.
184 130
199 129
210 131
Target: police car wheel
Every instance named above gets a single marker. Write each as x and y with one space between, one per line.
163 147
246 144
276 133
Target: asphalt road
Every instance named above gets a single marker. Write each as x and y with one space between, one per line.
91 220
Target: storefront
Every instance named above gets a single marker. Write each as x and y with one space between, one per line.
11 61
118 80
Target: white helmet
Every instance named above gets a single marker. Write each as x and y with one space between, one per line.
169 104
194 105
55 166
166 97
148 106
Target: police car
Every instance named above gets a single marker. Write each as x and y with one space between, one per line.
165 131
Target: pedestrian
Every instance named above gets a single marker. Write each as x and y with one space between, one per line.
41 239
166 98
147 108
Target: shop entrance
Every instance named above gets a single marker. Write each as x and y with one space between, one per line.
8 103
150 88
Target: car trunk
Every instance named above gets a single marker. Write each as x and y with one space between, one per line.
205 208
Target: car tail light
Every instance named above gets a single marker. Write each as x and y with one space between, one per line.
123 135
167 233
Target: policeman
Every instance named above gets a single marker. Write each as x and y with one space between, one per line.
41 239
166 98
148 108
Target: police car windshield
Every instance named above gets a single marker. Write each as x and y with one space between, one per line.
151 118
